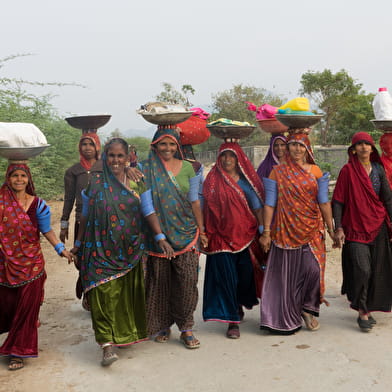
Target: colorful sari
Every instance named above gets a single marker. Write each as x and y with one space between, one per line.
110 267
22 274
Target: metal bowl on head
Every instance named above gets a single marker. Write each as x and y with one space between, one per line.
383 125
298 120
272 125
21 153
231 131
88 123
170 118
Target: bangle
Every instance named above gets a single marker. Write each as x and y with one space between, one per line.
204 233
64 224
77 243
261 229
158 237
59 248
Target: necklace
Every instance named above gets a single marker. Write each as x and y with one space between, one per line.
23 201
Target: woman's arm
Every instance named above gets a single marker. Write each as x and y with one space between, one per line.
265 238
200 222
53 240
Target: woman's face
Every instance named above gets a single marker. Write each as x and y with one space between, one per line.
166 148
279 148
363 150
19 180
229 162
87 149
116 158
297 152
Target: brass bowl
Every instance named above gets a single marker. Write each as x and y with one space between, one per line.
231 131
272 125
298 120
87 123
383 125
170 118
21 153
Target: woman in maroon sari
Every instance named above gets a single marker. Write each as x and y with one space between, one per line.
362 210
232 214
22 275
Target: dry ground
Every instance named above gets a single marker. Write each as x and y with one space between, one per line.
338 357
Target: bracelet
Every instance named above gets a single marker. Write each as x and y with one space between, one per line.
77 243
204 233
64 224
59 248
158 237
261 229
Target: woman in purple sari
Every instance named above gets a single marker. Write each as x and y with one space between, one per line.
275 155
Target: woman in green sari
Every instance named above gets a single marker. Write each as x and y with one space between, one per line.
112 254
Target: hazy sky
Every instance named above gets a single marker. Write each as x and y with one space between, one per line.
123 50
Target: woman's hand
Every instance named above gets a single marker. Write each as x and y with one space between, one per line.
72 258
166 248
265 241
134 174
204 240
338 239
63 235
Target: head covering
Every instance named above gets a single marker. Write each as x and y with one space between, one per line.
21 255
386 156
171 133
230 223
354 189
94 138
270 159
302 138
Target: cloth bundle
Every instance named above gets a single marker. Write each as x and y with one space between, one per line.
21 135
299 105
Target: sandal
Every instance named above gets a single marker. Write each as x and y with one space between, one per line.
163 336
109 356
364 325
372 320
310 321
233 331
15 363
190 341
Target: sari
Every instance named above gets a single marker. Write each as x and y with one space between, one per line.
270 159
234 258
22 273
110 266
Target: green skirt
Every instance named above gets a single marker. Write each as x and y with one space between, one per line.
118 309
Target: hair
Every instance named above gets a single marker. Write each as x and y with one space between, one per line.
116 140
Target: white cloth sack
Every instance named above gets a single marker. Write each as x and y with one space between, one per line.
21 135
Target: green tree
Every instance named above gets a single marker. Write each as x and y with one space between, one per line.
171 95
231 104
336 95
18 105
142 145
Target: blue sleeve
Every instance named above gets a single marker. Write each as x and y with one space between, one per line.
323 183
85 200
43 216
147 204
271 192
251 196
194 188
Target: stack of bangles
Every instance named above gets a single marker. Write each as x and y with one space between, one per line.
159 237
59 248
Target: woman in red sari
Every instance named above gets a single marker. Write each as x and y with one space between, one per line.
294 282
23 216
232 214
362 210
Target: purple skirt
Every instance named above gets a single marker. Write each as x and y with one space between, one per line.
291 286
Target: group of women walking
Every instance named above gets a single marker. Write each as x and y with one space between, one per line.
138 242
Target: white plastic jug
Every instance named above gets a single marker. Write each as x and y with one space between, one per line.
382 105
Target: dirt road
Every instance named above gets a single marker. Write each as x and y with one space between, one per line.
338 357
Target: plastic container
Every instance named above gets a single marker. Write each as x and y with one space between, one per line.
382 105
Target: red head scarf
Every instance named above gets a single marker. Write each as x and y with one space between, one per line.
386 157
97 144
302 138
229 221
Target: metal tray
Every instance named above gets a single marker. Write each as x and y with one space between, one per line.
383 125
298 120
231 131
170 118
91 122
21 153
